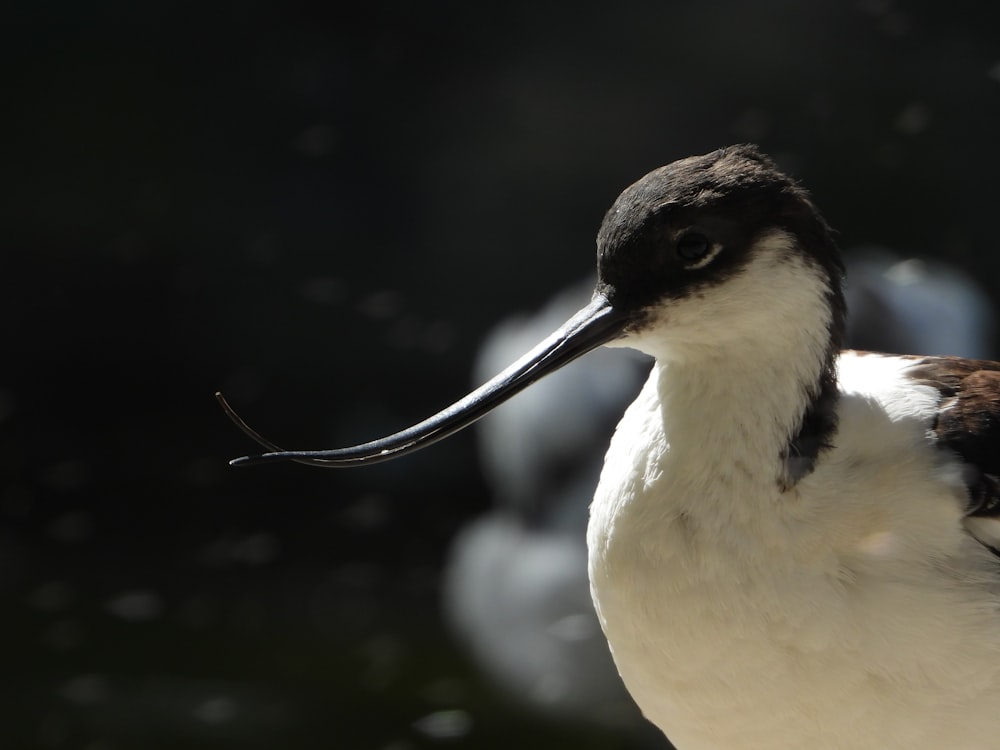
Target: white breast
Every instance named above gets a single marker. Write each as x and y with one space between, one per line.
852 612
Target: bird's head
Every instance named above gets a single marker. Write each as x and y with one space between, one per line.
714 249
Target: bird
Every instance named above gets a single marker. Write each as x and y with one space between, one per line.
791 545
514 587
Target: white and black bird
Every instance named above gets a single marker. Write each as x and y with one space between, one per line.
791 546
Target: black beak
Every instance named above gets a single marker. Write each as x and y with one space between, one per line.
594 325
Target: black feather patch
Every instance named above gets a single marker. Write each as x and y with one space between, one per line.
819 423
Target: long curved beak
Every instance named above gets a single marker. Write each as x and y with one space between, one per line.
594 325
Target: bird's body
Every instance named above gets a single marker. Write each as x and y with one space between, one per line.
790 547
853 611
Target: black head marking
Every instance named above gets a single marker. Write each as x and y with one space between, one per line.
648 243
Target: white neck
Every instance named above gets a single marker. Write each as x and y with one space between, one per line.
736 369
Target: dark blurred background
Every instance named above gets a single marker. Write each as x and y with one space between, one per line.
321 211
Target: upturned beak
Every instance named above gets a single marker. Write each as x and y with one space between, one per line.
596 324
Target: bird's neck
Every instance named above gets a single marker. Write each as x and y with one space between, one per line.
756 405
758 416
699 462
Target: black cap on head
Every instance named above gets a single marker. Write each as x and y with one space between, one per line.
693 223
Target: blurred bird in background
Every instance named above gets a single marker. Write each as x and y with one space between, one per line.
516 587
899 305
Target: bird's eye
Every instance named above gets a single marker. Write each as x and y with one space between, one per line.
693 247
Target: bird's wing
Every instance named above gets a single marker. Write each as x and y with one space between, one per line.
968 424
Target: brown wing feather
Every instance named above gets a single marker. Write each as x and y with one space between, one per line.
968 422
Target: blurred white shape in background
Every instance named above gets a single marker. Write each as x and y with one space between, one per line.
915 306
516 589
